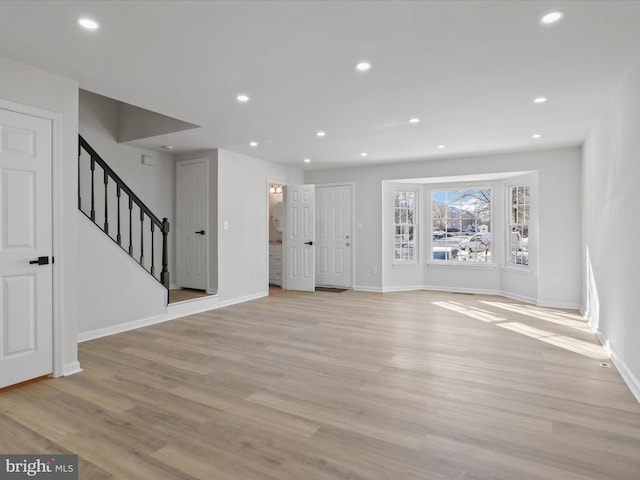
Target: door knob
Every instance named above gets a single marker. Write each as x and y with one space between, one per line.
201 232
348 244
40 261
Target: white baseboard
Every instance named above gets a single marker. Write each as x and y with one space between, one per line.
212 291
520 298
555 304
403 288
177 310
121 327
189 307
475 291
71 368
362 288
174 286
246 298
174 311
627 375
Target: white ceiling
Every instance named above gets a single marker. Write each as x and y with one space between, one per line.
468 69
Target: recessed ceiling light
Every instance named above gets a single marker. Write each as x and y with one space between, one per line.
363 154
307 160
536 135
88 23
242 98
167 147
414 120
253 144
539 100
551 17
321 134
440 146
363 66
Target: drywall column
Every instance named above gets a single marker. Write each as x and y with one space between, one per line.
610 179
31 86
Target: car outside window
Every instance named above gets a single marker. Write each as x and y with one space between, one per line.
461 227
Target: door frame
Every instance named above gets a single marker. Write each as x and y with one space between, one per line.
208 229
352 222
268 217
57 238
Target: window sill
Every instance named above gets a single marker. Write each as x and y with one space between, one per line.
406 265
516 269
454 264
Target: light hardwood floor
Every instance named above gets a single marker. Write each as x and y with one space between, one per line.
325 386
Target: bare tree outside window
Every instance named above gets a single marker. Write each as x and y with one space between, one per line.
461 225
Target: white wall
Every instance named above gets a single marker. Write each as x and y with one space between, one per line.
611 225
243 202
106 301
559 205
31 86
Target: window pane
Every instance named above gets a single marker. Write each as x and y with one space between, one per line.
457 216
519 226
404 217
410 200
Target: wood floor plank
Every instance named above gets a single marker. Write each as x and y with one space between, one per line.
350 386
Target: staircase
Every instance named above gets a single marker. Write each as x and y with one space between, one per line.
116 210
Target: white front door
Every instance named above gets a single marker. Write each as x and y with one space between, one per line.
333 236
191 219
299 238
26 283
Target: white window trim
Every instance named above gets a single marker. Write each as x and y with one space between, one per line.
417 230
428 221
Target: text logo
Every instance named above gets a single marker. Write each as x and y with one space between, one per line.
50 467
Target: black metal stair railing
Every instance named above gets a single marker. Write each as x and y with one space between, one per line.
100 210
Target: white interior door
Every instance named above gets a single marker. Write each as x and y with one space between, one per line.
192 213
299 238
333 236
26 284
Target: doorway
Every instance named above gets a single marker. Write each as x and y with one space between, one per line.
318 238
275 226
192 229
